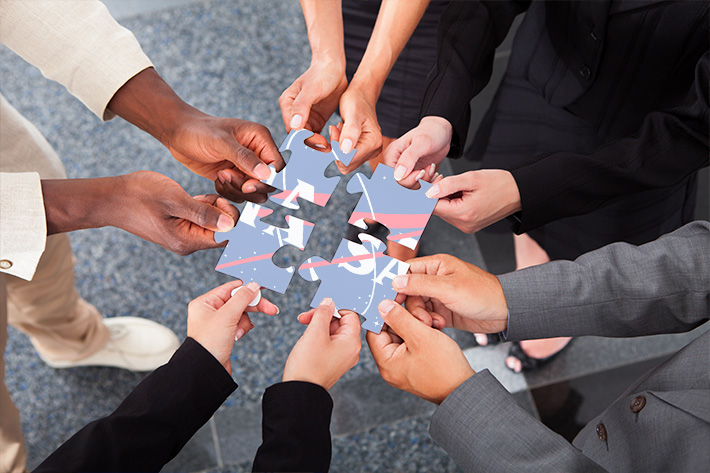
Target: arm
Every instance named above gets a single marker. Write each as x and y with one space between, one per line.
166 409
669 147
296 412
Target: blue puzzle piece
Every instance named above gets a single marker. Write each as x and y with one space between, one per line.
405 212
252 244
358 278
304 175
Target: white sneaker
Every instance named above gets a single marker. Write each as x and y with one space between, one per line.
135 344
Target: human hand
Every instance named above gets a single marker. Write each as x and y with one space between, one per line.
217 319
418 149
311 100
473 200
328 348
360 129
424 362
157 209
453 293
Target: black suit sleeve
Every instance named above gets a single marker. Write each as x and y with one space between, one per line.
669 147
295 428
469 33
154 422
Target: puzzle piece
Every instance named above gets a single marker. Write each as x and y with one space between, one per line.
358 278
304 174
252 244
405 212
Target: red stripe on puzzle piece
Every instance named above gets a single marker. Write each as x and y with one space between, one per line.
393 220
346 259
242 261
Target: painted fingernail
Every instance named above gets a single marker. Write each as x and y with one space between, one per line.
249 188
432 169
386 306
326 301
296 121
399 172
433 191
346 146
400 282
261 171
225 223
240 334
278 311
420 175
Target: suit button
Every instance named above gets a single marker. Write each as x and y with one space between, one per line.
585 72
601 432
637 404
5 264
593 35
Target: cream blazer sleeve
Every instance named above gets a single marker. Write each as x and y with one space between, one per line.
23 225
76 43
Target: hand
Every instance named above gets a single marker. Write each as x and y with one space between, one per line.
157 209
418 149
360 127
311 100
426 363
216 319
454 294
234 153
327 349
473 200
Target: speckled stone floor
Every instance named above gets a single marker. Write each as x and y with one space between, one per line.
232 59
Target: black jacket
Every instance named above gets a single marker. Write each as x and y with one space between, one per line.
165 410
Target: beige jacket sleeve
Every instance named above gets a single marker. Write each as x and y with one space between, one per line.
23 225
76 43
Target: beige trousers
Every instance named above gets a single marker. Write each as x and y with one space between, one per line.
60 324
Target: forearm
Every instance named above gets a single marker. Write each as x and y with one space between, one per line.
76 204
396 21
324 22
149 103
617 291
484 429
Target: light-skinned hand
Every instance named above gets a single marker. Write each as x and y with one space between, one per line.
421 360
216 319
454 294
360 129
418 149
473 200
328 348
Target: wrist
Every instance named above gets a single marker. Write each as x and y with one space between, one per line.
76 204
441 124
367 86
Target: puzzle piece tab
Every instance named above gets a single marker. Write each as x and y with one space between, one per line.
252 244
405 212
358 278
304 175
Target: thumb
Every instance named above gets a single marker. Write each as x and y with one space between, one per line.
320 322
301 108
203 214
418 148
449 185
238 303
401 321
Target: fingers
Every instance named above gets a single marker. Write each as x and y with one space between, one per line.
217 296
402 322
318 142
222 204
427 285
334 132
203 214
449 185
349 323
238 303
244 325
286 105
382 346
306 317
320 321
392 153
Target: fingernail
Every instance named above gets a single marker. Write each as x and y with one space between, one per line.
386 306
278 311
346 146
400 282
240 334
299 317
262 171
226 177
249 188
433 191
399 172
432 169
253 286
225 223
252 326
296 121
420 175
319 146
326 301
220 177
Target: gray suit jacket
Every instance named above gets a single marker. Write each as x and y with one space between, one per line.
661 423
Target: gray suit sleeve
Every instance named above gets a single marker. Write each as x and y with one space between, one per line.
484 429
620 290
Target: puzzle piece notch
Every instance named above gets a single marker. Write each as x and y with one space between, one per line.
405 212
355 271
252 244
304 174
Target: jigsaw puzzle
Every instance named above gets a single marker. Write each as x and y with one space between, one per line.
360 275
358 278
304 176
403 211
255 243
